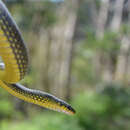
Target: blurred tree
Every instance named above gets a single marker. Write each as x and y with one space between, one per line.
61 49
97 31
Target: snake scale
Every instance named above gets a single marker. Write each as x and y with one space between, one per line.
14 55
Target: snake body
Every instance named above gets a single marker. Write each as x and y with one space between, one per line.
14 54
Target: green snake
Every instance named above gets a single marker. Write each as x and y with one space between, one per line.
14 55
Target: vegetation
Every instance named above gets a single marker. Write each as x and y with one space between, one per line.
95 111
80 52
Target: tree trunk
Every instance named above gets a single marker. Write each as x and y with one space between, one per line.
61 48
117 18
122 57
102 69
122 68
102 18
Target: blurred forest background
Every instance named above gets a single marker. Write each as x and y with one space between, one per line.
79 51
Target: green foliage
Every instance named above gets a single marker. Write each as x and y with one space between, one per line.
42 14
83 67
106 109
125 29
6 109
84 62
44 121
108 43
91 109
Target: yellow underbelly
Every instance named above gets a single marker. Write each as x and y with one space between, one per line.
11 72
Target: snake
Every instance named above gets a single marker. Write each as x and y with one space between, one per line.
15 63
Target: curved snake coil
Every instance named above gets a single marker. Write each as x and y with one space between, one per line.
15 57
